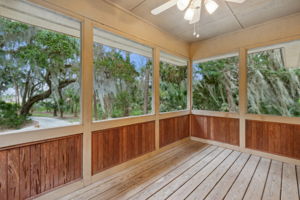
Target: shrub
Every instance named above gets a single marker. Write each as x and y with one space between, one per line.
9 117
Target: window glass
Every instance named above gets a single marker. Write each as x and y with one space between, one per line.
274 80
173 83
216 84
39 69
122 77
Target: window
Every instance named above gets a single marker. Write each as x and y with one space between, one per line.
216 84
122 77
173 83
274 80
39 69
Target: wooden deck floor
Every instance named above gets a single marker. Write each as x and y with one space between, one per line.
196 171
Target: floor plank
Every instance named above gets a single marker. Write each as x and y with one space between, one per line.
161 182
168 189
221 189
188 187
143 176
196 171
257 185
128 173
289 189
239 187
273 184
206 186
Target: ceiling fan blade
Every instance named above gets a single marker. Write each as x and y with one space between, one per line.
236 1
164 7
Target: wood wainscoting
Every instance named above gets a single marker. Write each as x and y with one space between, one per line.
272 137
173 129
114 146
31 169
220 129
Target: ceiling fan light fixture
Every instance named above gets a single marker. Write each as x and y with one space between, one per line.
189 14
182 4
211 6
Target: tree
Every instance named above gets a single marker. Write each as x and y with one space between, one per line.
40 62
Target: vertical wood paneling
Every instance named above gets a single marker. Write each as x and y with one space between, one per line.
113 146
277 138
13 177
35 172
173 129
3 175
31 169
220 129
24 172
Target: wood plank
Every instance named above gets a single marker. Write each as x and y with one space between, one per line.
62 161
35 169
45 167
199 177
273 184
13 175
78 156
239 187
71 159
257 184
202 190
221 189
171 187
128 173
152 173
220 129
24 172
289 188
150 189
3 174
54 164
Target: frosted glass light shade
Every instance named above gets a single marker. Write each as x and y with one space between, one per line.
182 4
211 6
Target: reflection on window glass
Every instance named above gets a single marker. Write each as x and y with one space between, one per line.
274 80
173 85
39 77
122 83
215 85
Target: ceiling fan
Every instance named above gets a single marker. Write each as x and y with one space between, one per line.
192 8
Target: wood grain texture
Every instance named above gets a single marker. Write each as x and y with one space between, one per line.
114 146
173 129
220 129
32 169
277 138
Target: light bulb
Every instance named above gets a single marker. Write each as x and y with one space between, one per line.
189 14
194 33
211 6
182 4
198 35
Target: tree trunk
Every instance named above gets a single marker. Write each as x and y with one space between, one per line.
146 92
32 100
55 112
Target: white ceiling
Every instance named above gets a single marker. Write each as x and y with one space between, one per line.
229 16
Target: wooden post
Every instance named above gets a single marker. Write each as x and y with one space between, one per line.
86 96
243 95
156 97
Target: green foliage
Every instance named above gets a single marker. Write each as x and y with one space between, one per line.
215 85
173 87
40 66
272 87
9 117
